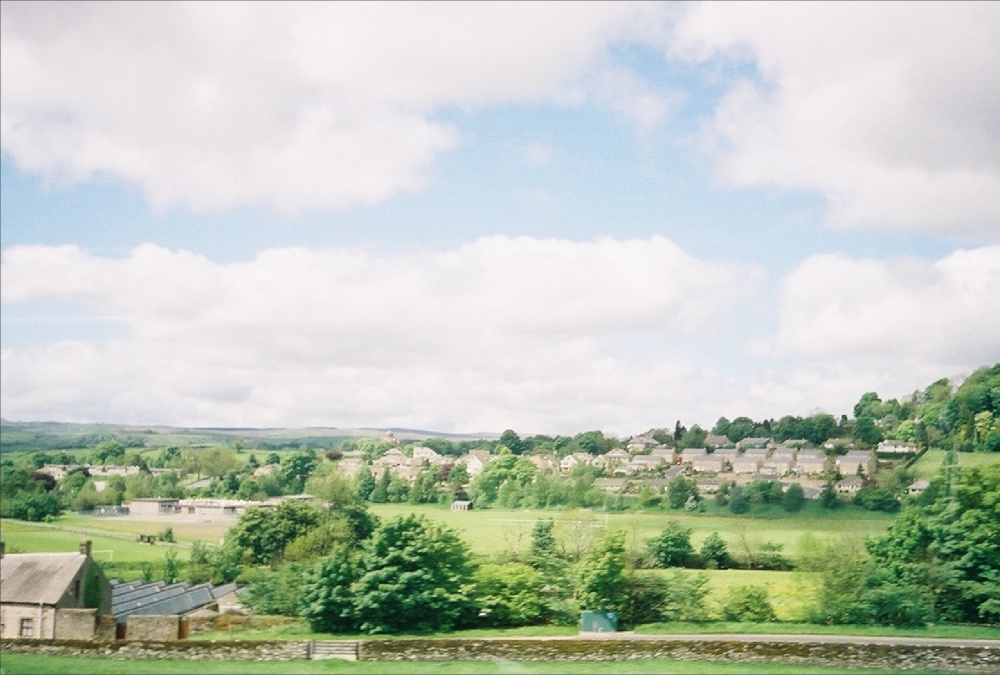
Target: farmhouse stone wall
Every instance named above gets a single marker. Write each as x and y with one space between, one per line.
980 658
75 624
153 627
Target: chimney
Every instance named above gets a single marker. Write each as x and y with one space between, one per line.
85 547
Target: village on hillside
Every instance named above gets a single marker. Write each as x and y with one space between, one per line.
644 462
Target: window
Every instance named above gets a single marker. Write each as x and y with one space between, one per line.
27 628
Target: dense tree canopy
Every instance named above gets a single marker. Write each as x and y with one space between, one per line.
414 575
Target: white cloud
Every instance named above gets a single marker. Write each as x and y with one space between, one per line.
537 335
497 332
887 109
902 311
846 326
634 98
292 106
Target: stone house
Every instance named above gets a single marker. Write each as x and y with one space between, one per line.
897 448
717 441
52 595
640 464
613 458
421 452
753 442
641 443
349 466
664 452
750 461
701 461
811 463
569 461
849 485
856 460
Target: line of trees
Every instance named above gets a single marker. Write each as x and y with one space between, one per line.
347 572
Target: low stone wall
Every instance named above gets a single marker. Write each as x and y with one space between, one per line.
965 659
859 655
185 650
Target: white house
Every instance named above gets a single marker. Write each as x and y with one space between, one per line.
569 461
893 447
474 465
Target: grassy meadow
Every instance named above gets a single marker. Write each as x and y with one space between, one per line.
931 461
489 533
495 531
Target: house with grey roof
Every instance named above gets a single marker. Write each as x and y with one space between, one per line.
52 595
896 448
849 485
641 442
753 442
717 441
855 461
811 463
747 463
701 461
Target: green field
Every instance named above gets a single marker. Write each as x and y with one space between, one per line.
495 531
24 664
489 533
928 465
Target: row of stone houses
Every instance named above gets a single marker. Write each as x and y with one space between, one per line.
777 461
761 457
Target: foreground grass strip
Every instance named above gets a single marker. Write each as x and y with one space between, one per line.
28 664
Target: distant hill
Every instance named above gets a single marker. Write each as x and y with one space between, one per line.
45 436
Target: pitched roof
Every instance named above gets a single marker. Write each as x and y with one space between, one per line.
38 577
159 598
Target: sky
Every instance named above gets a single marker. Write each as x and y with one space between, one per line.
465 217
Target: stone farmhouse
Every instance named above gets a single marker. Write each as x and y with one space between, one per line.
52 595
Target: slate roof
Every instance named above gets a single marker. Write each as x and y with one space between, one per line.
38 577
163 599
